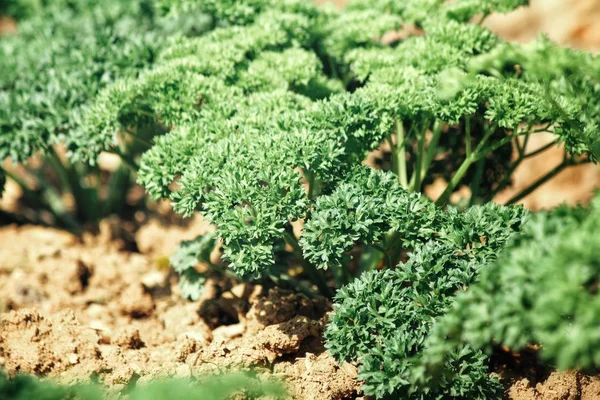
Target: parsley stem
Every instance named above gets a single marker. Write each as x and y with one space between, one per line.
401 154
311 185
460 173
551 174
60 170
431 148
416 176
476 183
44 202
468 138
126 159
28 193
522 157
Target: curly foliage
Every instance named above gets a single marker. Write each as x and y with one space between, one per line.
363 209
184 260
23 9
416 11
235 12
264 121
383 318
270 114
218 387
570 79
541 290
61 58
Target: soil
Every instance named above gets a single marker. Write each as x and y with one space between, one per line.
81 309
106 307
568 385
76 309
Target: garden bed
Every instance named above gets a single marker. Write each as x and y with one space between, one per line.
364 181
81 309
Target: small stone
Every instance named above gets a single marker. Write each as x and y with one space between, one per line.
102 330
96 311
239 290
136 302
196 335
73 358
229 331
154 279
183 371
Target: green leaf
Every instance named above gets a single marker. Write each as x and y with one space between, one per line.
189 253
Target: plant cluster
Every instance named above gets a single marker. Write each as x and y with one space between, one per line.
63 53
217 387
384 317
257 112
542 290
263 124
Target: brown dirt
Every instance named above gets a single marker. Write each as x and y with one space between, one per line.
7 25
76 309
568 385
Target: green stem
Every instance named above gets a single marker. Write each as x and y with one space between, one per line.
394 150
370 258
311 185
483 18
416 177
522 157
118 188
61 171
460 173
126 159
28 193
401 154
315 275
138 138
476 183
431 149
555 171
38 203
394 248
70 179
464 167
468 139
541 149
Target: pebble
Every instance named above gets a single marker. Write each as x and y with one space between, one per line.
183 371
196 335
154 279
73 358
229 331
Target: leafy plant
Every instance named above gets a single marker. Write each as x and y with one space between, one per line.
63 54
269 117
184 260
218 387
263 125
542 291
383 318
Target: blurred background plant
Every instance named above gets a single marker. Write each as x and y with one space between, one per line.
217 387
61 55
